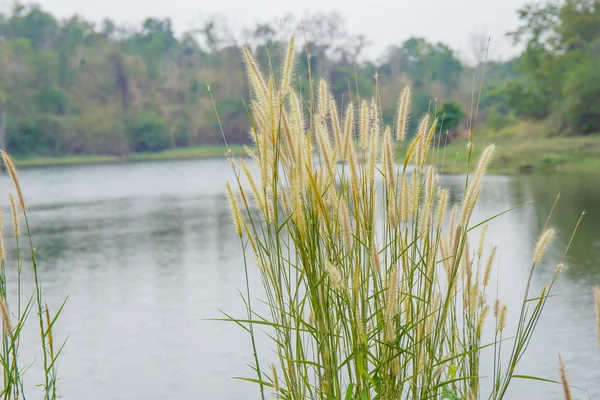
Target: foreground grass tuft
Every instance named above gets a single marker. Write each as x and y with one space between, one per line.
375 286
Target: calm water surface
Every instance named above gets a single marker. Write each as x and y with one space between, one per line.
147 255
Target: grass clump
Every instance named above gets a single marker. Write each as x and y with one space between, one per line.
375 285
15 317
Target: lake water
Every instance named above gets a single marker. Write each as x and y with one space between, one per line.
146 254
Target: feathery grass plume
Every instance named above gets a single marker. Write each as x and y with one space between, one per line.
348 131
275 378
255 77
482 240
273 112
15 217
472 194
468 205
473 297
446 257
12 170
325 148
337 128
415 192
360 325
404 203
488 266
563 379
542 244
296 188
376 263
335 275
354 176
425 217
452 230
597 303
235 210
296 113
502 319
481 321
356 279
442 205
402 118
390 303
324 97
465 264
260 120
285 199
388 161
430 182
288 138
496 308
372 159
288 67
484 162
364 125
346 225
255 192
49 331
421 136
6 324
427 142
374 118
391 292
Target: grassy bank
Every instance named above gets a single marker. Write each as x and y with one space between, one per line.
521 148
174 154
525 148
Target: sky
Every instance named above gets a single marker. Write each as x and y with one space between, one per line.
385 22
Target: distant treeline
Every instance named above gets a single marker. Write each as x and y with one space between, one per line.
75 87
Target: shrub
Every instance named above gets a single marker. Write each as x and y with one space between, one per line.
10 364
149 133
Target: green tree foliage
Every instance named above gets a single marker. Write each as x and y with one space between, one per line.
424 62
580 104
559 65
452 114
76 87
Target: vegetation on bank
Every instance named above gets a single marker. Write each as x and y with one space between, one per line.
524 148
517 153
73 87
173 154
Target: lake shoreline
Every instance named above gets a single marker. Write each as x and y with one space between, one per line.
522 150
186 153
513 157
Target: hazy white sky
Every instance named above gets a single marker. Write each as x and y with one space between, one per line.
383 21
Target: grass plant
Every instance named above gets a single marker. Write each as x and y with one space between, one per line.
14 316
376 280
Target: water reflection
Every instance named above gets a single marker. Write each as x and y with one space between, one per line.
147 253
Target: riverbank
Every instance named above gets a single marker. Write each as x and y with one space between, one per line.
174 154
523 148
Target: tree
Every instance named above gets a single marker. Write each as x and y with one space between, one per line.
557 63
580 104
452 115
